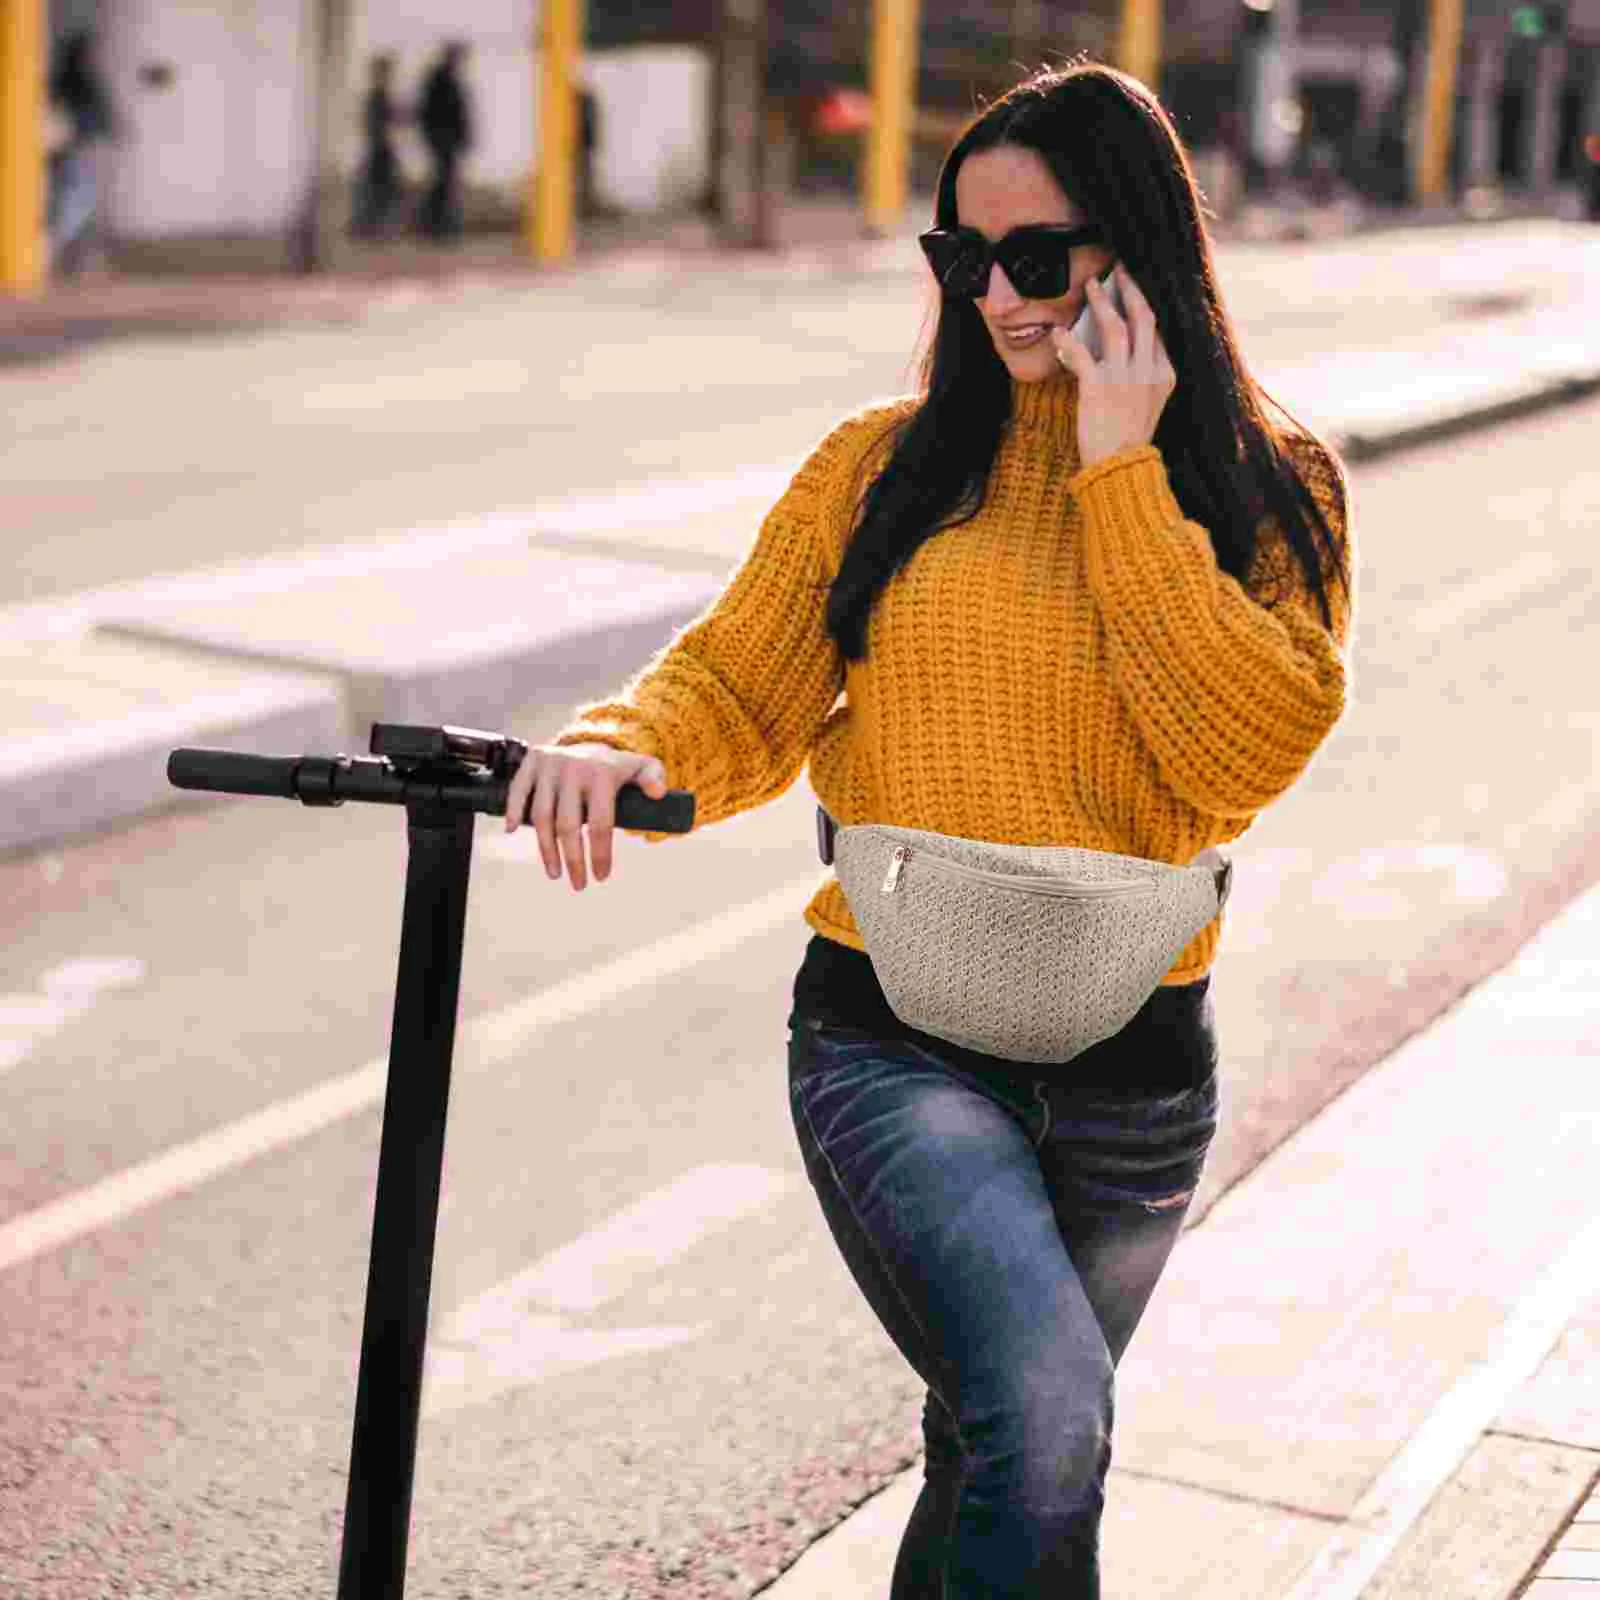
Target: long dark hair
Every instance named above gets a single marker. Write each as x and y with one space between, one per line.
1111 148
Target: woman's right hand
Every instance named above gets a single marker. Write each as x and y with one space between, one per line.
562 787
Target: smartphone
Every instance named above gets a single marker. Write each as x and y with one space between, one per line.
1086 330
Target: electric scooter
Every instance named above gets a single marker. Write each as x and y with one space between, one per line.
442 776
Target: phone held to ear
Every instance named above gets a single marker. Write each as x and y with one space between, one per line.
1086 330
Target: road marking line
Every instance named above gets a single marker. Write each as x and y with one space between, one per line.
65 993
513 1334
663 502
1402 1492
34 1012
90 974
660 502
453 1379
483 1042
607 1260
1528 571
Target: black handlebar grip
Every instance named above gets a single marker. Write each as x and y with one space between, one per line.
232 772
672 813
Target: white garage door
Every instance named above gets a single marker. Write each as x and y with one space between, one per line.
215 113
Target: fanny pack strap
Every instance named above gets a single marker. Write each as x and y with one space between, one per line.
827 828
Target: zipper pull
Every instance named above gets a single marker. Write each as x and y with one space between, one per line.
896 862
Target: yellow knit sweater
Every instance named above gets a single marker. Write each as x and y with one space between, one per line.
1070 667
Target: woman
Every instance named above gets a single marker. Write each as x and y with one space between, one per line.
378 185
444 119
1092 602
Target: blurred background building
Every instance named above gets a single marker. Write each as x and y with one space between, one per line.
217 101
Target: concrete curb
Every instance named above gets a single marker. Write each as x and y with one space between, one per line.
465 639
287 657
1363 444
294 655
63 774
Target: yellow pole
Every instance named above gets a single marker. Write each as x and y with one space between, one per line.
22 176
892 79
1139 41
551 204
1444 58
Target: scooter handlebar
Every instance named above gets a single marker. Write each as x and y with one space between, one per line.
330 780
672 813
233 772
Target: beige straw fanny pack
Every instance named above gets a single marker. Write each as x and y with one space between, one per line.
1026 952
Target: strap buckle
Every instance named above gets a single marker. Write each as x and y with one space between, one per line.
825 831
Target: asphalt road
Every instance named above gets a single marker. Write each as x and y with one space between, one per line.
679 1409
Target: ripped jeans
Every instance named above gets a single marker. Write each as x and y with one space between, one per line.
1008 1234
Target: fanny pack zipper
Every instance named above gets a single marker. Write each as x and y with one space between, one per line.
1009 880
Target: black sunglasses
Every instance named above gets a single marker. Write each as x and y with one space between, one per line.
1037 258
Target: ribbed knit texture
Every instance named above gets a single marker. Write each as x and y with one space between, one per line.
1069 667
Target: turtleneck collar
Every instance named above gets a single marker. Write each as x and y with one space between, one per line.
1048 407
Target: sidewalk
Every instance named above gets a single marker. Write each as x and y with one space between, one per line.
223 285
1373 1369
184 288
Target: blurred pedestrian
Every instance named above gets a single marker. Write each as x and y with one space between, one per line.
1232 139
1069 599
444 118
378 183
588 141
81 110
1322 172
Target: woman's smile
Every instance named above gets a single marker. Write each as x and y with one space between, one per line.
1028 333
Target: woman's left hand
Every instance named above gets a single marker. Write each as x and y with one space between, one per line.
1121 396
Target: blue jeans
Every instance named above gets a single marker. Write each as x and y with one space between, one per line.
1007 1232
74 197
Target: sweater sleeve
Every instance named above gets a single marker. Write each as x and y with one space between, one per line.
732 705
1232 686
